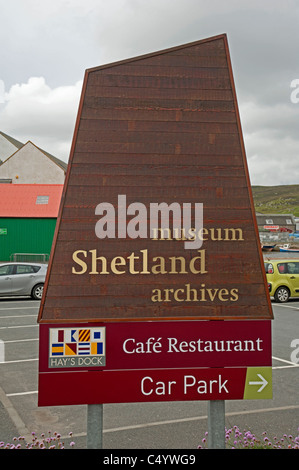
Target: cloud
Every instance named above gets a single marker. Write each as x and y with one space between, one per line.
34 111
271 142
2 90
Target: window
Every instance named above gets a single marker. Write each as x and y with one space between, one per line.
42 200
25 269
289 221
269 268
6 270
269 221
282 268
35 268
293 268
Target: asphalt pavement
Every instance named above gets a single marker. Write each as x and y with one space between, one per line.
166 425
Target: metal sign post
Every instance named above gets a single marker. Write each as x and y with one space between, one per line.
94 426
216 424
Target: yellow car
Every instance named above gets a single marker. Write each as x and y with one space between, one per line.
283 278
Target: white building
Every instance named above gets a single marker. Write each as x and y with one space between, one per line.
29 164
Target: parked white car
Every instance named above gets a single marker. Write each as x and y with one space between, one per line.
22 279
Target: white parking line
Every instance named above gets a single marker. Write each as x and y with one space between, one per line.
21 393
291 364
197 418
288 306
283 360
285 367
17 316
19 326
20 340
19 360
18 308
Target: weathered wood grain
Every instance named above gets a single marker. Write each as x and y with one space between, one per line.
163 127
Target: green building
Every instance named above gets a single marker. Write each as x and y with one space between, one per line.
28 215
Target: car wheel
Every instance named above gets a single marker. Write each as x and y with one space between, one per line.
37 291
282 294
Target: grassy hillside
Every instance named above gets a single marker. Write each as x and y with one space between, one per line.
276 199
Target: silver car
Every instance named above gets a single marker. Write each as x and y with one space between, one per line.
22 279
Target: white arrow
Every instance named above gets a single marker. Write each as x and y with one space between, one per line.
263 383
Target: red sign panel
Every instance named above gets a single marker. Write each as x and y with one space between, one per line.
152 361
128 386
155 345
271 227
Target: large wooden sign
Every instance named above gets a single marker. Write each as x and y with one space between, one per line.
157 219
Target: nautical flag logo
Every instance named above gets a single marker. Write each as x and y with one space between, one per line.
77 347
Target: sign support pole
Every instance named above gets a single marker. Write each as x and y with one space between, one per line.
216 424
95 426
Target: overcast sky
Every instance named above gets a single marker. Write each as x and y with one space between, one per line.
46 45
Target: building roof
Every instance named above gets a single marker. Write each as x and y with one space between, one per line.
8 145
13 141
18 145
30 200
277 219
57 161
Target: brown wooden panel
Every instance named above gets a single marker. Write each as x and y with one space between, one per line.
191 148
185 139
65 314
168 84
186 61
127 169
136 69
101 125
95 158
152 115
161 93
92 195
211 103
163 127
